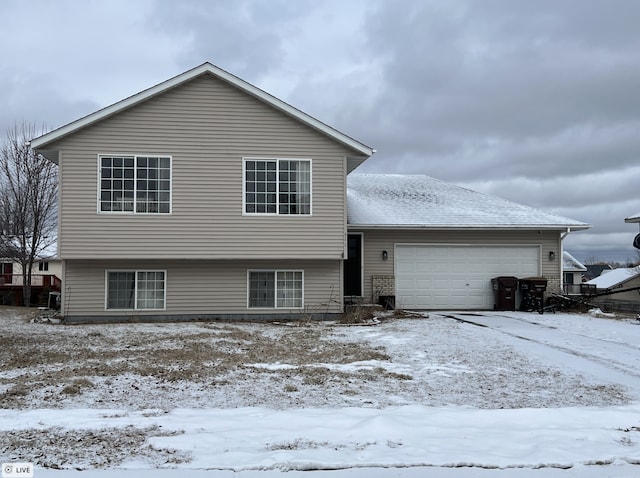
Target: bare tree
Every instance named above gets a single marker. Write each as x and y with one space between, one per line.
28 202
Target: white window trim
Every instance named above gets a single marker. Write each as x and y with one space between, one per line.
135 297
277 160
275 289
135 177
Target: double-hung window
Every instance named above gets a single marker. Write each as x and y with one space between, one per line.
135 184
277 186
136 290
276 289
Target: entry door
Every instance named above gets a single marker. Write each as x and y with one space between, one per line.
353 266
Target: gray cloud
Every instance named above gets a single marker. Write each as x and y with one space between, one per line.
241 36
27 98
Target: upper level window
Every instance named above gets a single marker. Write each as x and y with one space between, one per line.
135 184
277 186
43 266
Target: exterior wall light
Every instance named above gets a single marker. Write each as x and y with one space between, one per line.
385 255
552 256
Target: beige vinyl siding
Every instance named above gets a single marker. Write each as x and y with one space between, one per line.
207 127
198 287
376 241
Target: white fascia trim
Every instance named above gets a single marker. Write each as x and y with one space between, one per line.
466 227
186 76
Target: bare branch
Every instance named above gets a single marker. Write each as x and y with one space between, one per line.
28 201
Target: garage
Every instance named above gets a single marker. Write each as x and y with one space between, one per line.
457 276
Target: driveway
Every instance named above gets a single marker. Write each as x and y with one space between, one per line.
607 349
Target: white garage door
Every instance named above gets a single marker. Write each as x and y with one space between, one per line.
457 277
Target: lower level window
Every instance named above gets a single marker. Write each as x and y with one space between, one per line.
136 290
275 289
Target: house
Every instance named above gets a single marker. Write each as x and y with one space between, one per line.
572 273
595 270
635 219
206 197
45 278
623 286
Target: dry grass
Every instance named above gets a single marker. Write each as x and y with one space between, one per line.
433 361
60 362
57 448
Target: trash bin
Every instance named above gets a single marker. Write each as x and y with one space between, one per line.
532 293
504 288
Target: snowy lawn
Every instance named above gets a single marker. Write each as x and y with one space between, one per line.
444 390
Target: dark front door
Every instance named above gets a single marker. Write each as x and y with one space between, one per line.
353 266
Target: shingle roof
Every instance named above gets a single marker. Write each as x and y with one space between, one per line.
422 201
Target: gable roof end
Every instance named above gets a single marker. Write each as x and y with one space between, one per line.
571 264
362 151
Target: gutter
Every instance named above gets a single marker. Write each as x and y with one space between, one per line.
477 227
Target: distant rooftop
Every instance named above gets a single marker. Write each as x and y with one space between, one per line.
615 277
634 218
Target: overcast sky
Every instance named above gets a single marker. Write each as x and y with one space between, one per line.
533 101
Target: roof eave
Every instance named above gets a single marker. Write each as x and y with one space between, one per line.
477 227
286 108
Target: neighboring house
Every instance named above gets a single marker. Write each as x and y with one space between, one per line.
45 278
572 273
615 280
595 270
633 219
205 197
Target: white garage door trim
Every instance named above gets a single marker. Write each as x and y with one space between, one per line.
458 276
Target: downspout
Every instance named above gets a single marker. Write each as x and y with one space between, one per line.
561 258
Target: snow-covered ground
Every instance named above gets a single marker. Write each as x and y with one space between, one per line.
451 394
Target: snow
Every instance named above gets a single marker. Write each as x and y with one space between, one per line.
491 394
611 278
571 264
413 200
408 436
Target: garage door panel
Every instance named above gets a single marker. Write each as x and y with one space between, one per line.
422 254
424 302
423 284
458 277
403 267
